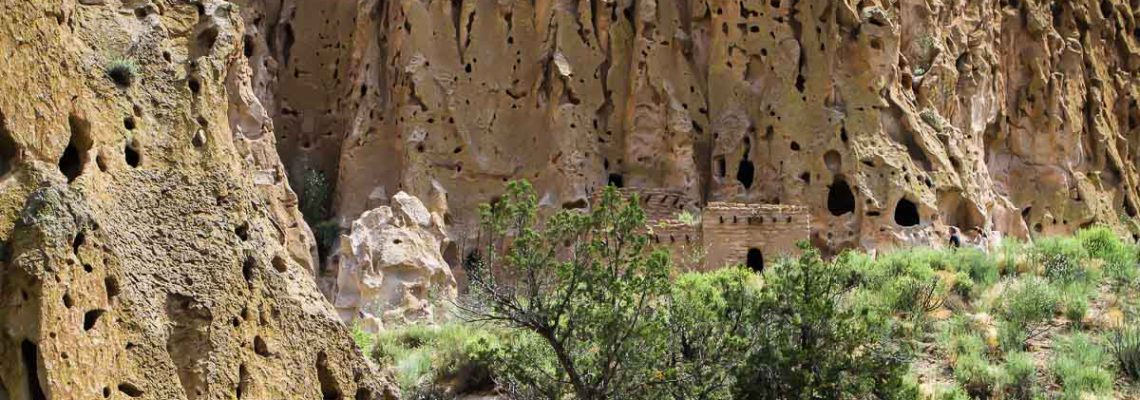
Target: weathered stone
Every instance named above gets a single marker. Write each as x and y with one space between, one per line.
890 121
147 252
390 265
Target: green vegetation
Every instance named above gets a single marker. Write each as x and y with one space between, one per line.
315 201
122 71
578 306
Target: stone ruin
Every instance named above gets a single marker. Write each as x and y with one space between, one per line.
720 234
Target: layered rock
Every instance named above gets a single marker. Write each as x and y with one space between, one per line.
390 266
891 120
152 247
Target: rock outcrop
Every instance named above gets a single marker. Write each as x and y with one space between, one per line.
151 246
390 266
890 120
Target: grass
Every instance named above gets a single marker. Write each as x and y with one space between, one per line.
1020 322
123 71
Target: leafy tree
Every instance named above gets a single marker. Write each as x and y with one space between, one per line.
815 344
713 323
585 283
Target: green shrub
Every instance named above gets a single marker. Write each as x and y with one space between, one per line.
952 392
1020 376
1028 303
1030 300
1119 257
315 196
1080 366
982 269
1061 259
915 297
814 343
1100 242
977 375
122 71
1076 303
1125 346
465 357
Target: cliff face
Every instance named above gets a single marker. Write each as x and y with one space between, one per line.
152 247
891 121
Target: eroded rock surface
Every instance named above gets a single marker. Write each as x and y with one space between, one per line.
890 120
152 247
390 266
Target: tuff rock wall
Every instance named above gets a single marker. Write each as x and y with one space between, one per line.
890 120
152 248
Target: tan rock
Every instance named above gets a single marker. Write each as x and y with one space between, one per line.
891 121
152 248
390 265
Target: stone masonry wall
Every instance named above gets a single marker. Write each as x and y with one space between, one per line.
730 230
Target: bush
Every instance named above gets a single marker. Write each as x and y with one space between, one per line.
1125 346
815 344
1119 257
1076 304
459 357
1020 376
716 316
976 375
122 71
1029 302
1061 259
982 269
1080 366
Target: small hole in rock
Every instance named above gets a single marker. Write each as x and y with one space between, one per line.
280 264
247 268
90 318
131 154
260 347
112 286
130 390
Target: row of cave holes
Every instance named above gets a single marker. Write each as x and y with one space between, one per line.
74 157
841 200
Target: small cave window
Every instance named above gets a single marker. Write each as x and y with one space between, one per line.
29 351
616 180
745 173
840 199
721 167
8 149
755 260
906 213
75 155
131 154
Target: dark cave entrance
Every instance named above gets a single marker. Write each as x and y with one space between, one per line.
840 200
755 260
745 171
616 180
906 213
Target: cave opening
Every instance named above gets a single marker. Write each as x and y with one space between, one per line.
75 155
840 199
616 180
29 352
7 149
755 260
745 173
906 213
131 154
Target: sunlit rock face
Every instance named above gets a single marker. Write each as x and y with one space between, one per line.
891 121
390 266
151 247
